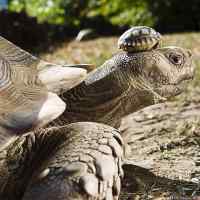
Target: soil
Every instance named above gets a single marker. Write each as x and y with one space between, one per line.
164 143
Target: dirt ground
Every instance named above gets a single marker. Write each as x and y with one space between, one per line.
164 141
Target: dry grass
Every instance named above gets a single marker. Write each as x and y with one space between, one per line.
93 51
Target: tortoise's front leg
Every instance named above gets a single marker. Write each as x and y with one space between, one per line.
86 165
77 161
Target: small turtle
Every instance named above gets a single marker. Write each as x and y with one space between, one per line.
139 38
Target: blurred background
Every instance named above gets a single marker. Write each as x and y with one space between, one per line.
32 22
48 28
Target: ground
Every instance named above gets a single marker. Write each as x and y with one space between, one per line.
164 139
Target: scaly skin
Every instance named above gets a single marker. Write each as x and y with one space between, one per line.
84 163
126 83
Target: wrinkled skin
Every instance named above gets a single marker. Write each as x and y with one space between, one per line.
84 163
126 83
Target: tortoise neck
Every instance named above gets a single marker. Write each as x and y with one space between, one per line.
100 105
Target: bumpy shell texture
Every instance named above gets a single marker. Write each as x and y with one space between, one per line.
139 38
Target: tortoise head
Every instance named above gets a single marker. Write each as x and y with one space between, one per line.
160 73
168 71
151 76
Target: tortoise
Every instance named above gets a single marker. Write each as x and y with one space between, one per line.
83 160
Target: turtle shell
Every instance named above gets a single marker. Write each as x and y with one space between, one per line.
139 38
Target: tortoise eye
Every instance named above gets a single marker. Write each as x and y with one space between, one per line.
176 59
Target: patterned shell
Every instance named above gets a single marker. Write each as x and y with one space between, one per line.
139 38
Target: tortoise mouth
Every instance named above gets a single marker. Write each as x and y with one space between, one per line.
171 90
184 79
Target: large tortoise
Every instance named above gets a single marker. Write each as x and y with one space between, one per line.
83 160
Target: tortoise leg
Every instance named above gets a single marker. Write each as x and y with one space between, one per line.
86 165
77 161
